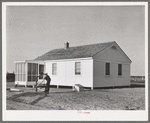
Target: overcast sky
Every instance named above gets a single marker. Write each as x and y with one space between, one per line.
33 31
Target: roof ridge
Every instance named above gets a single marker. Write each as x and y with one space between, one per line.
94 44
84 45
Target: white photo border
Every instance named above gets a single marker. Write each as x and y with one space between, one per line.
71 115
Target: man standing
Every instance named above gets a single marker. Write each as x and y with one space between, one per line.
48 79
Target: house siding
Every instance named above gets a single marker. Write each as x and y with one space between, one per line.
124 79
66 72
114 57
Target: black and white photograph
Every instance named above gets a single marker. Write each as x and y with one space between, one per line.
75 61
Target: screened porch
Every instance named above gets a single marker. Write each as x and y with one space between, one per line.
27 71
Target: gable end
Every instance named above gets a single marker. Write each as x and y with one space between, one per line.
114 47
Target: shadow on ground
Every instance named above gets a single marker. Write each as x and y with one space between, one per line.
21 97
33 97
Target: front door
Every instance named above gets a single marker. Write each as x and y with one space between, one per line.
41 70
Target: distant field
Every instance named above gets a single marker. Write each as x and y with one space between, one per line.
137 84
67 99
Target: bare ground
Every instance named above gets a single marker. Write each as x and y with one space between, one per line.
67 99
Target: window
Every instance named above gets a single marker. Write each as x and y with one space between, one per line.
77 68
107 69
54 68
20 72
32 71
119 69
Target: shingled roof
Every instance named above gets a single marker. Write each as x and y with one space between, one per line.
74 52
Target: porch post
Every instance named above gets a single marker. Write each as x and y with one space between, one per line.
57 86
26 77
73 88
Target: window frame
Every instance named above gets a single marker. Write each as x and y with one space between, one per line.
107 69
54 69
120 70
78 68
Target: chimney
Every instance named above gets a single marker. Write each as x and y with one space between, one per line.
66 45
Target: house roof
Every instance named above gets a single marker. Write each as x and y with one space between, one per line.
74 52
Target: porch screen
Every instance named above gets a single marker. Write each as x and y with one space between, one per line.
20 72
32 71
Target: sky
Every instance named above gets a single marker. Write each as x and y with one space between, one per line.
32 31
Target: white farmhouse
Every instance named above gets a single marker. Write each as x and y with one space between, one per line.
95 65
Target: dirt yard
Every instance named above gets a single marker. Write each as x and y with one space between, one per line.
67 99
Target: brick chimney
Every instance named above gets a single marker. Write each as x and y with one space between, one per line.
66 45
